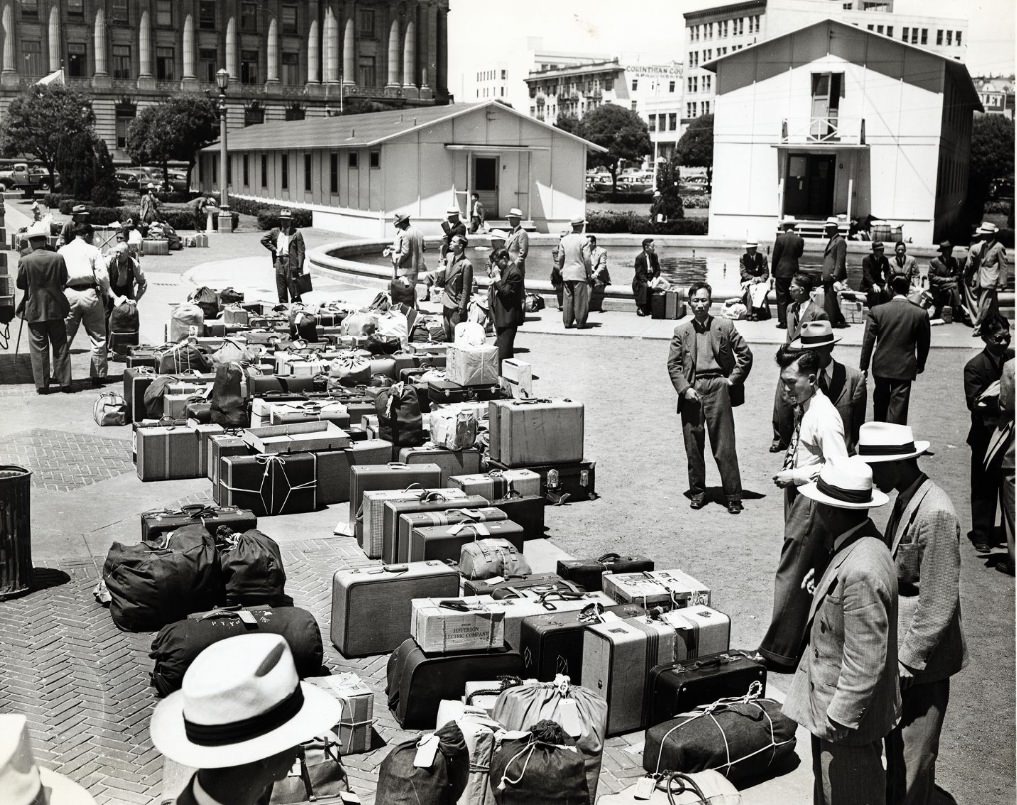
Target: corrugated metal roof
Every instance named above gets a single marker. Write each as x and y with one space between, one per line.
356 131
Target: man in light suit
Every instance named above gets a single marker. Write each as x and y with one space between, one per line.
844 385
923 533
899 331
709 362
802 311
787 249
834 272
845 689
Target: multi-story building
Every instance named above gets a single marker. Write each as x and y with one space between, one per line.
714 32
996 94
288 59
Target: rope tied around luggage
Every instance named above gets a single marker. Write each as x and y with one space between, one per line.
273 462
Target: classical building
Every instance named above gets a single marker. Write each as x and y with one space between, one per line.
996 94
714 32
354 172
829 120
288 59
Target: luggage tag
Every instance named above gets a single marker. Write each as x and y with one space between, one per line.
645 788
427 748
569 718
247 619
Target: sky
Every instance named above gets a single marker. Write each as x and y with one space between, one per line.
654 30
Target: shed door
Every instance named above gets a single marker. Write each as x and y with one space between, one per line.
485 184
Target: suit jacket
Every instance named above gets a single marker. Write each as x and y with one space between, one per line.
979 373
644 272
518 245
753 267
505 298
457 280
408 252
450 230
874 272
42 275
732 354
848 673
797 317
925 545
835 260
787 248
909 269
295 251
944 272
849 394
901 334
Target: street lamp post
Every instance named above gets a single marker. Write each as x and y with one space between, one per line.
222 80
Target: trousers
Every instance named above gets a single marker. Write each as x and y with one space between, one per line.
985 489
44 336
451 316
575 303
988 304
913 745
783 419
712 413
505 340
88 309
782 289
284 283
831 304
847 775
890 399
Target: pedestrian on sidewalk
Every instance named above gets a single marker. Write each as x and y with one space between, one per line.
787 249
477 214
42 275
451 227
87 291
574 265
834 272
989 275
505 302
287 247
407 255
150 206
456 280
79 215
518 243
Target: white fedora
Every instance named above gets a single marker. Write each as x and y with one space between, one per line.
845 483
987 228
452 211
22 780
515 212
752 244
498 234
833 220
241 701
814 334
885 441
40 229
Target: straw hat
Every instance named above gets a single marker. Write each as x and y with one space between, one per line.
241 701
578 221
845 483
22 781
79 209
515 212
751 244
833 220
400 218
452 211
498 234
813 335
885 441
987 228
285 214
40 229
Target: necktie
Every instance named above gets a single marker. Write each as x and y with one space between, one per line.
893 522
796 310
792 448
824 385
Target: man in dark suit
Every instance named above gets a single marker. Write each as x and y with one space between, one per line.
980 374
287 247
505 301
845 689
42 275
450 227
787 248
834 272
900 332
709 362
801 312
923 533
876 276
647 268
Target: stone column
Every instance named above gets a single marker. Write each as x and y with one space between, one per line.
410 56
55 51
441 65
232 51
9 74
313 47
101 77
430 51
393 54
350 45
272 46
190 80
330 43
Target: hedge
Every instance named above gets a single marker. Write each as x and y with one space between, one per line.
696 202
630 222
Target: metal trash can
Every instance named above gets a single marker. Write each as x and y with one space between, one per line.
15 531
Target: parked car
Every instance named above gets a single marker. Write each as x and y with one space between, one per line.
128 178
27 178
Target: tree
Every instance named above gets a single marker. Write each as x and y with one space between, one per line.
621 131
53 123
105 190
992 158
569 123
695 148
175 129
668 177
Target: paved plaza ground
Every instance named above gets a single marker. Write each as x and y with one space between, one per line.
84 685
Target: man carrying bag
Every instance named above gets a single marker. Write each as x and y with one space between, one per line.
287 247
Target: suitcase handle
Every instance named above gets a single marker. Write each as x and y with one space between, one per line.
609 556
684 783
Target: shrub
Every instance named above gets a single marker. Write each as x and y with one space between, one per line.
67 203
52 200
696 202
268 218
100 216
998 207
630 222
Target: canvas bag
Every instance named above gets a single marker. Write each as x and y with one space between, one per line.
454 429
232 351
124 318
442 782
350 370
676 788
581 713
538 767
303 325
228 404
207 300
317 775
360 324
470 333
155 396
399 418
110 409
479 733
182 357
487 558
252 568
187 319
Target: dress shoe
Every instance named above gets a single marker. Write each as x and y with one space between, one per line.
97 382
640 313
980 543
42 391
777 447
781 326
697 502
734 507
67 389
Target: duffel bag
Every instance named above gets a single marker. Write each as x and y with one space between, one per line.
182 357
178 644
479 732
230 296
252 568
207 300
432 769
232 351
487 558
359 324
187 319
745 738
581 712
399 418
152 586
539 767
350 370
676 788
382 344
303 325
317 776
533 302
155 396
380 381
124 318
110 409
228 406
402 292
454 428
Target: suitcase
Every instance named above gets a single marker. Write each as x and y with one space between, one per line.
446 541
589 573
674 305
396 540
563 483
417 682
452 462
161 521
668 588
535 602
372 521
508 586
673 788
449 626
136 380
371 607
472 508
528 432
526 512
552 643
369 477
445 391
219 447
498 484
155 246
334 484
700 631
119 343
617 658
682 686
658 305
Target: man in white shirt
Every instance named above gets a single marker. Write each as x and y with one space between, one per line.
86 291
818 436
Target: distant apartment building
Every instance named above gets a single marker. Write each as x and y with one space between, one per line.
996 94
712 33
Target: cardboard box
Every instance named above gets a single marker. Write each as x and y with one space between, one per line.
297 437
442 630
517 378
354 727
472 366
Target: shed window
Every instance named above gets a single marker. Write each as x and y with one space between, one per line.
307 173
284 171
206 15
375 159
333 173
353 161
264 170
246 163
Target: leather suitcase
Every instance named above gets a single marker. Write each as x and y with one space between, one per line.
680 687
417 682
525 511
536 602
450 513
569 482
394 475
589 573
497 484
372 520
617 658
508 586
452 462
668 588
445 391
371 607
658 305
528 432
552 643
220 446
136 380
396 539
700 631
446 541
119 343
336 487
162 521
